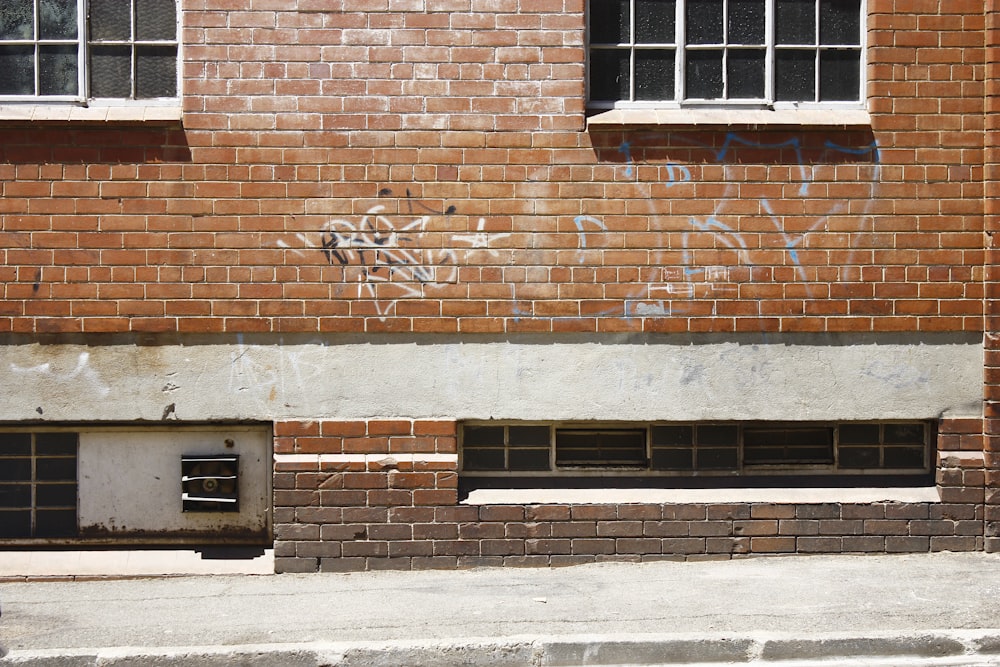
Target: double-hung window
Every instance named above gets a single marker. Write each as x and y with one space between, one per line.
757 53
79 50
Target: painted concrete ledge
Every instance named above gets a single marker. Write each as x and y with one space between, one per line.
733 495
945 647
126 563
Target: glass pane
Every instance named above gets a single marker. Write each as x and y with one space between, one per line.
55 470
840 22
15 495
673 459
55 523
528 436
483 459
15 444
155 71
654 75
794 74
839 75
18 65
609 21
655 21
529 459
55 444
904 457
155 19
55 495
746 21
859 434
110 71
904 434
746 74
16 20
858 457
110 20
609 75
703 75
717 435
795 22
703 22
57 73
718 459
15 524
15 470
482 435
673 435
57 19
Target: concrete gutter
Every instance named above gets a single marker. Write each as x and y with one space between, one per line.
928 648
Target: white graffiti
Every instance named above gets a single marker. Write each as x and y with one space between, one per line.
83 371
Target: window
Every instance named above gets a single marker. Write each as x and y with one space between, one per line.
38 478
764 53
696 449
73 50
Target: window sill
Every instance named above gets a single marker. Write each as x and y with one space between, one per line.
702 496
67 113
695 117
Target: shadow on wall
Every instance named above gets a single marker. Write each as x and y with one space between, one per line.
126 144
641 146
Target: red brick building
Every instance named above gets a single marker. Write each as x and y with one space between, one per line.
442 283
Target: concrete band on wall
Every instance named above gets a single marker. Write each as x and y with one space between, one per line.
626 377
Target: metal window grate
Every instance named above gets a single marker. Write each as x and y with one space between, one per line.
701 448
38 484
210 483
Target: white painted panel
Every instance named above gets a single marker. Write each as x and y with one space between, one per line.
130 482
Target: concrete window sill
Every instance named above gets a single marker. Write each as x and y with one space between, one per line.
702 496
702 117
68 113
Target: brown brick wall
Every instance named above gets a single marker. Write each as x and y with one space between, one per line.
387 513
358 166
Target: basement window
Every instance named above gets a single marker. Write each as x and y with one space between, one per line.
696 449
38 485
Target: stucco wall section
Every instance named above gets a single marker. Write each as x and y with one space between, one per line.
616 377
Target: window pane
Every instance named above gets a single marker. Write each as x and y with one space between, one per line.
654 75
703 22
15 470
839 75
15 524
155 19
703 75
859 434
18 65
57 73
609 21
529 459
110 20
904 457
673 435
110 71
609 75
718 458
16 20
55 523
57 19
840 21
15 444
15 495
155 71
746 74
858 457
904 433
795 76
482 435
673 459
746 21
600 447
55 495
654 21
483 459
795 22
55 470
528 436
56 444
720 434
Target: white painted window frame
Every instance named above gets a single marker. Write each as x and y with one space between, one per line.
83 98
767 103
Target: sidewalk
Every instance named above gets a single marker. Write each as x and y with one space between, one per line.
927 609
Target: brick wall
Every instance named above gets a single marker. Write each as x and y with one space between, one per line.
424 166
372 495
405 166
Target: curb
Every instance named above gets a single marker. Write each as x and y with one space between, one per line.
973 647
